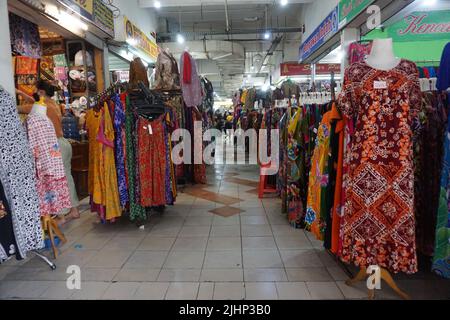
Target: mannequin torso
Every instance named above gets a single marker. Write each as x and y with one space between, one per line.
382 56
39 109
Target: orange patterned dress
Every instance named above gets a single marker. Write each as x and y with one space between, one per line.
378 226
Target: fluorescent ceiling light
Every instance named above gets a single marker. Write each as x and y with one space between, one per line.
430 3
132 42
180 39
223 56
72 21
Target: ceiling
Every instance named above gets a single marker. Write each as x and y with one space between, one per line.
247 24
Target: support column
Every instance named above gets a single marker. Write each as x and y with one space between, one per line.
348 36
6 68
106 66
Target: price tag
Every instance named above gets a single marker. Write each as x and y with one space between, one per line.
380 85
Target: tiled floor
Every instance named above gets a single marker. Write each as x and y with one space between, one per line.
218 242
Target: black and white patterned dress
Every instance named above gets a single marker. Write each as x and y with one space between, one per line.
18 179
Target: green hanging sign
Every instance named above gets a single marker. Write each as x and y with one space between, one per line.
422 26
349 9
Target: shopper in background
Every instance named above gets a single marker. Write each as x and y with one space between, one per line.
55 113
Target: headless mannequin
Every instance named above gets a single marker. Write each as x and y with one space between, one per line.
382 56
40 109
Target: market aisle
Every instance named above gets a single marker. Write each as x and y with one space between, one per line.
218 242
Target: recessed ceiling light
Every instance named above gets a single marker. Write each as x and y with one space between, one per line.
157 4
251 19
180 39
284 2
267 35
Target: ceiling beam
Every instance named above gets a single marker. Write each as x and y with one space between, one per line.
190 3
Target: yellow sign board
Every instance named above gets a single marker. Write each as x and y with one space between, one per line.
139 40
87 5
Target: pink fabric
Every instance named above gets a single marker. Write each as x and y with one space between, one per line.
101 135
51 181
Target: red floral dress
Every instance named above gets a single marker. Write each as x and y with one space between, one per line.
378 226
152 162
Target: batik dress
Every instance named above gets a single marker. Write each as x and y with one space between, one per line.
18 179
378 226
318 179
51 180
441 259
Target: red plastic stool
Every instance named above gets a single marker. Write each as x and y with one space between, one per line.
264 188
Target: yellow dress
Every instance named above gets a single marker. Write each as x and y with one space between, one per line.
93 120
103 184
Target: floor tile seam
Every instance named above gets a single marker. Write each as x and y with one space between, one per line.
276 244
169 251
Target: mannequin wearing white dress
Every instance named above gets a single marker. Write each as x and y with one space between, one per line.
382 56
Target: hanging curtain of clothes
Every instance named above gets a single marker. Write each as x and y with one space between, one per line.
103 179
441 259
17 177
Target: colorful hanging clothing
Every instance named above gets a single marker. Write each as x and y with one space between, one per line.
119 126
443 82
51 180
191 87
109 191
25 38
429 152
137 212
319 179
167 76
336 213
17 176
295 170
152 162
93 119
138 73
332 193
441 259
26 74
378 226
8 244
357 52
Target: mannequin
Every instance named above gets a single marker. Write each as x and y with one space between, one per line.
382 56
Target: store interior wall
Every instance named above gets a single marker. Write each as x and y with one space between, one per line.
144 18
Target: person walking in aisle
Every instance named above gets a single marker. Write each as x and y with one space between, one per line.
55 114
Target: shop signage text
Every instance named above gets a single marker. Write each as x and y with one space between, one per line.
94 11
323 32
139 40
349 9
304 69
431 25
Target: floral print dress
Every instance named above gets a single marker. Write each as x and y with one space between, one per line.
378 226
51 180
318 179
